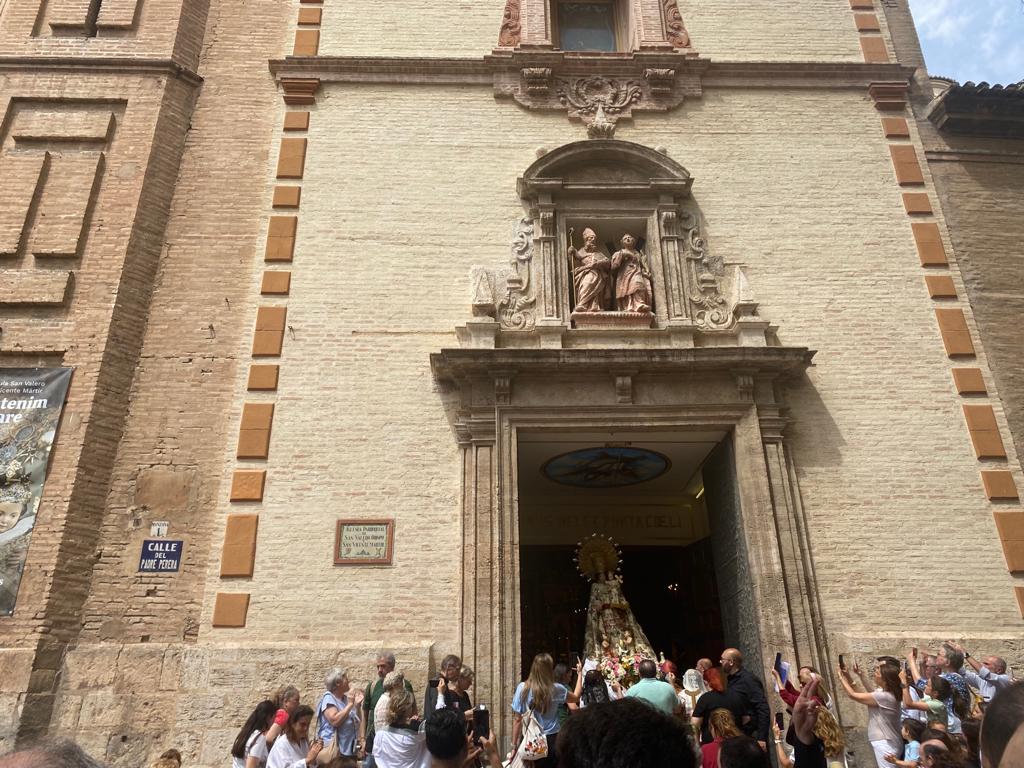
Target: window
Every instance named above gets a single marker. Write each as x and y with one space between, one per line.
587 26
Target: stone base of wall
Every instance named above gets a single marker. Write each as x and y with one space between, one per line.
125 704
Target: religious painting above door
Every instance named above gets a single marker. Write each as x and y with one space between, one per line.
606 467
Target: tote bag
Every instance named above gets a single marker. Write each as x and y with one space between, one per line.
534 745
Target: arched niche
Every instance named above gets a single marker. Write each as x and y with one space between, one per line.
612 187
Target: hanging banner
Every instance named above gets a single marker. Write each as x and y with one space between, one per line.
31 401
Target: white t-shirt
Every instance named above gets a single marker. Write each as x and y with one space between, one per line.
884 720
284 754
400 748
256 747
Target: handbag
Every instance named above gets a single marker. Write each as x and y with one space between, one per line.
330 750
534 745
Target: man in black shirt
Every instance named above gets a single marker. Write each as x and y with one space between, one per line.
744 685
714 699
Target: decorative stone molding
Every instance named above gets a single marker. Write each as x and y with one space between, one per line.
503 69
624 387
889 97
537 80
661 80
502 387
300 90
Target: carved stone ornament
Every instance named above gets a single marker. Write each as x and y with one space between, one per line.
598 102
675 30
507 295
711 309
537 80
662 81
511 29
601 91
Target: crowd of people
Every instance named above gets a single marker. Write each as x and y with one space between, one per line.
924 711
943 710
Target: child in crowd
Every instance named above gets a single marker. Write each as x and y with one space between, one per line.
933 703
912 730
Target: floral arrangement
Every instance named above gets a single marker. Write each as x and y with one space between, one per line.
622 667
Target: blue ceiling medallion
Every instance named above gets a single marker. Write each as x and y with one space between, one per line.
606 467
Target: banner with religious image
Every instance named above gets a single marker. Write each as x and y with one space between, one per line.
31 401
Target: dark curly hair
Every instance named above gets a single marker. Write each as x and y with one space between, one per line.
624 734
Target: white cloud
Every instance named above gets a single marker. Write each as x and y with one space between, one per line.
972 40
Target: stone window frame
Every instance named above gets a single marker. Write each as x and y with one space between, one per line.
530 25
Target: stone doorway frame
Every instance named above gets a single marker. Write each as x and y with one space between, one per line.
488 421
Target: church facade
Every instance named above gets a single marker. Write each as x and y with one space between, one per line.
360 345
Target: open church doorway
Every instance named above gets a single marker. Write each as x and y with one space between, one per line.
668 500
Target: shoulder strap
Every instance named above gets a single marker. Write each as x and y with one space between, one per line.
319 712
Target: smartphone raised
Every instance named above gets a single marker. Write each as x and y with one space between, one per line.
432 682
481 723
778 720
842 662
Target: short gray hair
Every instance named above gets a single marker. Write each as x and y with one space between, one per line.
388 656
333 677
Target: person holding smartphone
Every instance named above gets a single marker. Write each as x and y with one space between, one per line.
883 705
449 670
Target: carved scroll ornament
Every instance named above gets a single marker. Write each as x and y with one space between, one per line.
511 29
516 307
711 310
675 30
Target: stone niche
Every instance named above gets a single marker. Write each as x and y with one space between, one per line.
610 188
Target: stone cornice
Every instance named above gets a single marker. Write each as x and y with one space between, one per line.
467 363
482 71
100 65
975 156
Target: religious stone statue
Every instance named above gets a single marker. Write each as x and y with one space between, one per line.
632 278
591 274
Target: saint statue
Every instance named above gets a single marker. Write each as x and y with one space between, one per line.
591 274
632 278
612 631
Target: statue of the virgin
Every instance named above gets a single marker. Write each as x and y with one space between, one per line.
612 630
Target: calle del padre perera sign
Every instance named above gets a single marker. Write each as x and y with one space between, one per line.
161 555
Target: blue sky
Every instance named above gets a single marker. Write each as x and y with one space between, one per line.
972 40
